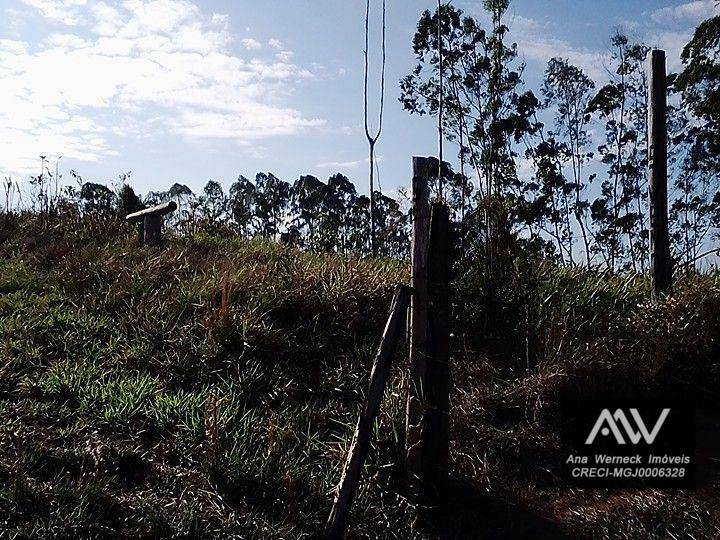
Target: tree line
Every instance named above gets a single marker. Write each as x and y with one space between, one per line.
585 199
308 213
560 170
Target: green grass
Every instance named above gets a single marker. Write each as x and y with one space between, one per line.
210 389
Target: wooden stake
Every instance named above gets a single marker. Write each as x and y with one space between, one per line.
437 375
418 322
151 219
337 521
152 224
661 264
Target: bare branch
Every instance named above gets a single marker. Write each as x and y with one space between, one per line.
372 139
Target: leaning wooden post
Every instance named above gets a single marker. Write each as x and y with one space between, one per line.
437 376
337 521
152 221
660 262
418 323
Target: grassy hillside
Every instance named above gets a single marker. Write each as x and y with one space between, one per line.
210 388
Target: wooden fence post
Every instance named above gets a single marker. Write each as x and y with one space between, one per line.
152 223
418 322
360 445
437 375
151 218
661 264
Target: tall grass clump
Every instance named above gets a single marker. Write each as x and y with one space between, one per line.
535 335
210 388
203 389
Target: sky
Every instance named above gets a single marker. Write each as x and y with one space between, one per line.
183 91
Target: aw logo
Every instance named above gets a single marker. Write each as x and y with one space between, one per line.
612 423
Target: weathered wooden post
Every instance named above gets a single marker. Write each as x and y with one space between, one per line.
437 368
418 322
660 262
152 219
337 521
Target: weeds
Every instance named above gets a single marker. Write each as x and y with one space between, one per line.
210 389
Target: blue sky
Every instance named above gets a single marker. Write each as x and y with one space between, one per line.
175 90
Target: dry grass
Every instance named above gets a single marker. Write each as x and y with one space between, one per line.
210 388
583 334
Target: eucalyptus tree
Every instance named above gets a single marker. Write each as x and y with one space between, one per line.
695 205
459 38
453 187
339 203
544 205
180 193
187 205
272 197
308 194
241 202
394 237
127 201
500 89
699 83
480 96
359 222
619 211
568 90
213 205
98 201
696 209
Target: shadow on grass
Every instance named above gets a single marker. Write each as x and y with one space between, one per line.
467 513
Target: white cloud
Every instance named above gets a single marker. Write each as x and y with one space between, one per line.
536 44
12 46
340 164
354 164
62 11
285 56
672 42
668 28
139 67
250 123
276 44
64 41
690 12
251 44
671 28
525 168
